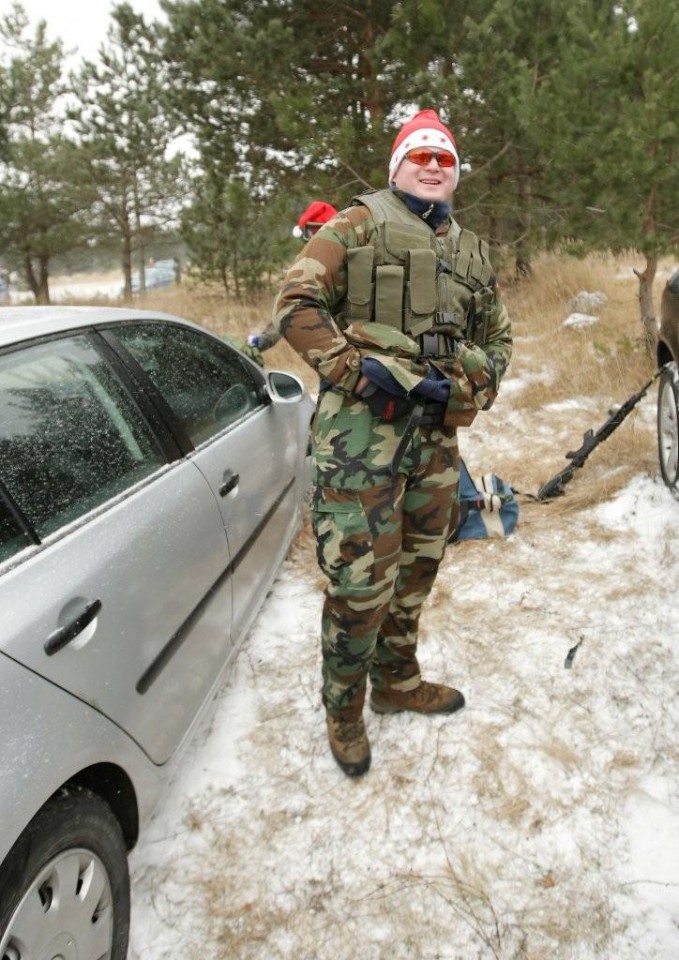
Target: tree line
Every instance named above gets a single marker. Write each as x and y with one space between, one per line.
564 114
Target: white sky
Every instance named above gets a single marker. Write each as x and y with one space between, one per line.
80 23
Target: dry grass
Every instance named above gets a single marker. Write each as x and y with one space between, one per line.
572 378
607 358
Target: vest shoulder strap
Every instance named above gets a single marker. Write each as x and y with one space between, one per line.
384 207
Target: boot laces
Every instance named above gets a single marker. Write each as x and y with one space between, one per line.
426 692
349 731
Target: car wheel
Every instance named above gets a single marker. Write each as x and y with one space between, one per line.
668 429
64 886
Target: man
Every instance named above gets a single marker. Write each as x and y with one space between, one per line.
397 310
309 223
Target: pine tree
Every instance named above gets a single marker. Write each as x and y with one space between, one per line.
499 54
125 137
614 136
297 95
42 206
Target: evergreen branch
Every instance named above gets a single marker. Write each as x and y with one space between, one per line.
489 162
355 174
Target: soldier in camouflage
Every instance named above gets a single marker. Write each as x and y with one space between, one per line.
397 310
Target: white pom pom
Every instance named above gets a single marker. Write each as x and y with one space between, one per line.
297 232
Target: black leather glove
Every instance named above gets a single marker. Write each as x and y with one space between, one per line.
382 404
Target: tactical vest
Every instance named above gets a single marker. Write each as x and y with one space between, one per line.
432 288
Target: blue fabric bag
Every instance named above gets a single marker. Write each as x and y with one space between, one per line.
488 507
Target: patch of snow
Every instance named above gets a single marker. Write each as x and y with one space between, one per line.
579 320
587 302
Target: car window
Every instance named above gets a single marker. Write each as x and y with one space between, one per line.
70 435
205 383
12 537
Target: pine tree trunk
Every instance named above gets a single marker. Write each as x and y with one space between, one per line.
647 310
37 280
43 283
127 264
141 246
523 266
31 279
495 231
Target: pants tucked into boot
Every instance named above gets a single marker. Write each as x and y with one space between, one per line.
380 540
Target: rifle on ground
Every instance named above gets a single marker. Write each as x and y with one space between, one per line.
555 486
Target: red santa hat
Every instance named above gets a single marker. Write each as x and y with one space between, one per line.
424 129
317 212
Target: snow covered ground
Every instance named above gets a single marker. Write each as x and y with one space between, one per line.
540 822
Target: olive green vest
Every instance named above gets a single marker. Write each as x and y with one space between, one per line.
415 281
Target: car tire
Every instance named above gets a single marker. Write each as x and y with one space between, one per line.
668 426
64 886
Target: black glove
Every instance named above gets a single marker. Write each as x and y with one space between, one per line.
434 386
384 405
384 395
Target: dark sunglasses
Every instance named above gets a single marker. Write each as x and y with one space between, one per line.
423 156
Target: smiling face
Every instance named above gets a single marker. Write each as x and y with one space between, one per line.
431 182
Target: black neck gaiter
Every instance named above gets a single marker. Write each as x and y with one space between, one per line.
432 212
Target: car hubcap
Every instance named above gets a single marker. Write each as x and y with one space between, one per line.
668 433
66 913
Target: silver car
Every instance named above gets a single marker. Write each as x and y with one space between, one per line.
668 391
151 481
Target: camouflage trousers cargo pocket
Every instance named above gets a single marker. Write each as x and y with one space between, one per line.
358 538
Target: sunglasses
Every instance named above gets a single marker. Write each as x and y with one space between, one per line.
423 156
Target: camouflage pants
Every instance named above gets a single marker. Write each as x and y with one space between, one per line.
379 540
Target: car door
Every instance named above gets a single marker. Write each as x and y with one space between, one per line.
246 446
114 568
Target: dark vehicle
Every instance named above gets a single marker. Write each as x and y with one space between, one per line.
151 481
668 392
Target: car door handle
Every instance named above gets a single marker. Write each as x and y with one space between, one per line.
64 635
230 481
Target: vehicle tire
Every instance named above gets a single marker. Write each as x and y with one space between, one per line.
668 426
64 886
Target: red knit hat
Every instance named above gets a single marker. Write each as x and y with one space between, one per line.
317 212
424 129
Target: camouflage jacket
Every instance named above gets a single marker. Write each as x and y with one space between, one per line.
309 313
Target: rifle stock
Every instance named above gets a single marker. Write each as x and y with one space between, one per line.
555 486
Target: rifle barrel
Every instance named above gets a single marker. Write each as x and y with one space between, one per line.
556 485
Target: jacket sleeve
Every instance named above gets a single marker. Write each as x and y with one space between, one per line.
498 338
313 287
479 364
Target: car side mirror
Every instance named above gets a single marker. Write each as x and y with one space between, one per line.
284 386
